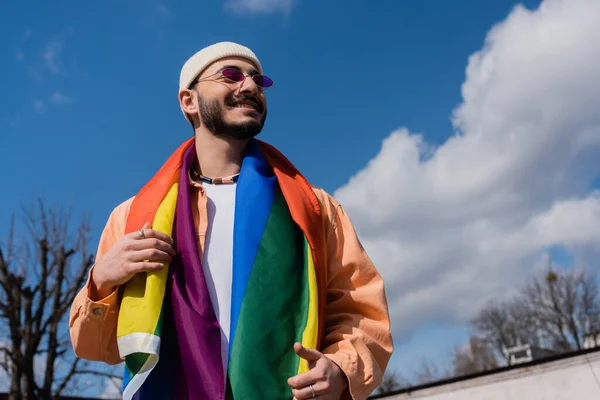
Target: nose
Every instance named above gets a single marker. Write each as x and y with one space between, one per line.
248 85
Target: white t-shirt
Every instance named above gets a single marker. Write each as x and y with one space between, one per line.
217 260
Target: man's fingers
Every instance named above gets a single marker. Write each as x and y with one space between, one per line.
305 379
319 389
151 233
151 255
146 267
142 232
309 355
151 243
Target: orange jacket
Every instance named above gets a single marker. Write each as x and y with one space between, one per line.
357 326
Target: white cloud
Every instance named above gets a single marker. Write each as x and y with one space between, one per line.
156 13
39 105
58 98
161 11
452 226
20 56
260 6
51 54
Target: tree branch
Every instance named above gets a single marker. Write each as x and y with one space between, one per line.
67 378
42 286
37 287
4 360
98 373
56 316
5 278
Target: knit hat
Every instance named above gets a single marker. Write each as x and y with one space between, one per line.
202 59
197 63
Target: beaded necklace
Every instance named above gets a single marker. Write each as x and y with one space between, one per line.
219 181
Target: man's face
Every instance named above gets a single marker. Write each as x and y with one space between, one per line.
235 110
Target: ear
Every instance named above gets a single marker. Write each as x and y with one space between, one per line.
187 103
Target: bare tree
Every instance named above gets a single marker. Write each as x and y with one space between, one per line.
553 312
430 372
392 381
477 356
565 306
505 324
39 278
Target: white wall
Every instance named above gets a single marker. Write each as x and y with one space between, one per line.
567 379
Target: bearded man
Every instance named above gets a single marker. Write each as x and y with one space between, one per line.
228 276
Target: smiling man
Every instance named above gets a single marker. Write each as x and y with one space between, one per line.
228 276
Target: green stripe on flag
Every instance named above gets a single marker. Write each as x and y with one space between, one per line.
134 362
273 314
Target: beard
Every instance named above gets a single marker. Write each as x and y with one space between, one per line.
211 114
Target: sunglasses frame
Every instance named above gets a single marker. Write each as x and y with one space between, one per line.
233 81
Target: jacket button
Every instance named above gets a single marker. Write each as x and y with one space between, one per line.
97 311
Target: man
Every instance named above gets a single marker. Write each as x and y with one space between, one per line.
228 275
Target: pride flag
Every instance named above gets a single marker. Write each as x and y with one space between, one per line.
277 290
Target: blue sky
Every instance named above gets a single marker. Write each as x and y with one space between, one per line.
88 112
345 77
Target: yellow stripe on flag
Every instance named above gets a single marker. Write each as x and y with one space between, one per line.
309 336
144 293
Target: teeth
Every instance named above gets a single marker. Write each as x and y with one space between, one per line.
243 105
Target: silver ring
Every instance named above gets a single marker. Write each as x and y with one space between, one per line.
312 390
142 235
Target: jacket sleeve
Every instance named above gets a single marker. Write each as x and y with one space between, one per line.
92 321
357 325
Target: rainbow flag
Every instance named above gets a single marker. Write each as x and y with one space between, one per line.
277 290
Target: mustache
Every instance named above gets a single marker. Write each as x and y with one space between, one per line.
231 100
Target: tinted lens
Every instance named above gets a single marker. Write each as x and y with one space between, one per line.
263 81
233 74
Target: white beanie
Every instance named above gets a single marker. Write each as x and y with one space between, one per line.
202 59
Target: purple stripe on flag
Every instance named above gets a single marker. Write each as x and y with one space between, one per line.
200 373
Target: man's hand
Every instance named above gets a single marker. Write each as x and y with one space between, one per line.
324 381
133 253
